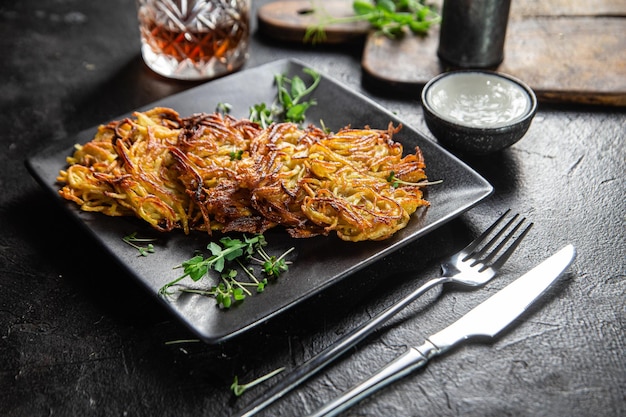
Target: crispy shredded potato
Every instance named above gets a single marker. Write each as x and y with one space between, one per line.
213 172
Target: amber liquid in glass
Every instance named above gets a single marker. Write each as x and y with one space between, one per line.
197 39
197 46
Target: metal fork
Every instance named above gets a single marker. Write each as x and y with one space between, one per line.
473 266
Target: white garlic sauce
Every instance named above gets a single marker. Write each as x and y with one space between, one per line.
478 99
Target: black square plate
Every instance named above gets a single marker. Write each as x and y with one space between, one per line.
317 262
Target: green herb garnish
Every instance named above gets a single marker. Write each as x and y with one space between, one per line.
396 182
237 253
223 108
239 389
132 240
390 17
291 105
291 93
236 155
261 114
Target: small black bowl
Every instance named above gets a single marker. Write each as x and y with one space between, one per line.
477 111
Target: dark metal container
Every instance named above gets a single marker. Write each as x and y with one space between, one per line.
473 32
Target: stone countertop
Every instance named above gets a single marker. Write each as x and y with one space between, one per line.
78 337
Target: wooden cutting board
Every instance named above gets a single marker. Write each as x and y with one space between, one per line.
288 20
568 51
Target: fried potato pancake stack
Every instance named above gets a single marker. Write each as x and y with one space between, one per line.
214 172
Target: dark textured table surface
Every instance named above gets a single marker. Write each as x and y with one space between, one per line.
80 338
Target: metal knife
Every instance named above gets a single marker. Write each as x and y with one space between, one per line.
486 320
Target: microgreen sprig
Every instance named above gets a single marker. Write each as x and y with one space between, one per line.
236 252
132 240
262 114
236 155
291 93
396 182
238 389
390 17
223 108
291 105
272 266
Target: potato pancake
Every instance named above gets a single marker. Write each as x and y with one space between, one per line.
212 172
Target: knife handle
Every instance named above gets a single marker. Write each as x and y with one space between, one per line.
414 358
339 347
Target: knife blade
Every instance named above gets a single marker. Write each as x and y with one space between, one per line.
485 320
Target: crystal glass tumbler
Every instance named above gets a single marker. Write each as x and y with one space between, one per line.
194 39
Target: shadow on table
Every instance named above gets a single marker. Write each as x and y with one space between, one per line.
132 86
501 169
62 247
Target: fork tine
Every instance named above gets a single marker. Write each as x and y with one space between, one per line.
476 242
478 254
493 253
505 256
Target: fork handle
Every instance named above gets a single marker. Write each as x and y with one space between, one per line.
409 361
317 362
